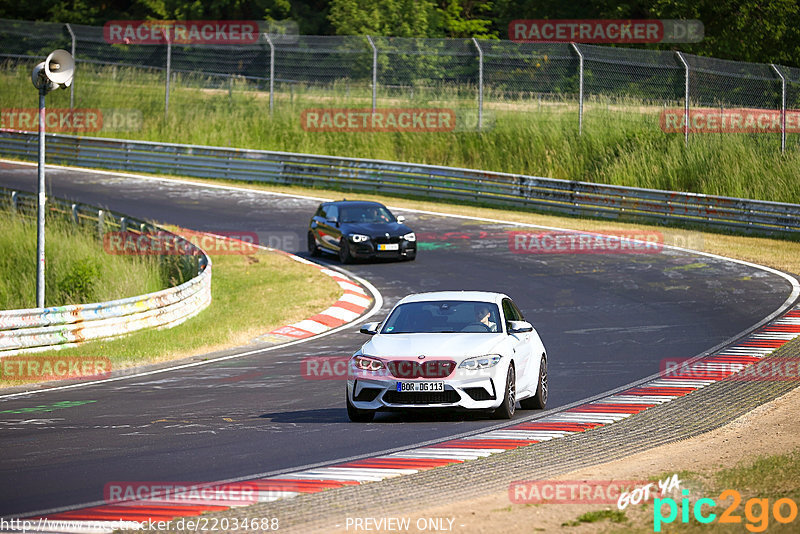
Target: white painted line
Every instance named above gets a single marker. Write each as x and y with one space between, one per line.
369 471
680 383
443 453
341 477
637 399
572 417
775 336
538 435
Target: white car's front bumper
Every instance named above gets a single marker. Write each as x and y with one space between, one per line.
472 390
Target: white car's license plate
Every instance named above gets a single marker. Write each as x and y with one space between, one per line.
406 387
390 246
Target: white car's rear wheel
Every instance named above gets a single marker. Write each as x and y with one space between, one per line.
539 400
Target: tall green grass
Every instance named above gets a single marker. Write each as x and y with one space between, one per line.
622 143
77 269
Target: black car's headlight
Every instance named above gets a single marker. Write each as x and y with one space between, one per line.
358 238
411 236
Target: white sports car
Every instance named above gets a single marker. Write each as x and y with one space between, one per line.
449 349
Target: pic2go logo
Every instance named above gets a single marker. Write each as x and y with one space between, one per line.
756 511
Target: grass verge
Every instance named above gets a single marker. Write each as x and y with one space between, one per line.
621 143
252 294
77 272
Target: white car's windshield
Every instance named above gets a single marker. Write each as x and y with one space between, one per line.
443 316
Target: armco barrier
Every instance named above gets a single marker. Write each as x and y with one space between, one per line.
493 188
33 330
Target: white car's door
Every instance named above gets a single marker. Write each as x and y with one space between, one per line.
523 346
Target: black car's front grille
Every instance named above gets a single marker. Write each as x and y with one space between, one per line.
383 240
448 396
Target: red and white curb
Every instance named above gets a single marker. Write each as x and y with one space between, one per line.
352 304
732 360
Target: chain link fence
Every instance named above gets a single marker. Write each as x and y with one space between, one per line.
478 76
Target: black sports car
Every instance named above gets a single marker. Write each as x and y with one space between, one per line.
356 229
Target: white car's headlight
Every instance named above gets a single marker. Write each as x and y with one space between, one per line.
365 363
480 362
411 236
358 238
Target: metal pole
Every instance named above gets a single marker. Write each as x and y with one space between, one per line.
72 85
41 207
480 83
783 107
169 69
271 69
685 99
374 72
580 88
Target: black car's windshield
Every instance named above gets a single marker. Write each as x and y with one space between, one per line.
443 316
365 214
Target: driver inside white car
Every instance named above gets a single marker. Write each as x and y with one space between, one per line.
484 316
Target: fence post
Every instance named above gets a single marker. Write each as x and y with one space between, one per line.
374 72
783 107
580 87
101 223
72 85
169 74
271 70
685 98
480 83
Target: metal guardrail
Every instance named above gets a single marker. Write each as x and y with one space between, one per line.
38 329
491 188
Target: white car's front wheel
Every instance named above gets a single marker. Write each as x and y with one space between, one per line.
359 416
506 410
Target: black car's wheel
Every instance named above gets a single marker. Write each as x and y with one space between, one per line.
359 416
344 252
506 410
411 257
313 248
538 401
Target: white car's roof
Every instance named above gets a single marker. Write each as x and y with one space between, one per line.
479 296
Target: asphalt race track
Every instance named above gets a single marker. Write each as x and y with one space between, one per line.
606 320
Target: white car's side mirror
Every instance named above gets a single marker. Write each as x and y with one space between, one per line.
518 327
401 219
369 328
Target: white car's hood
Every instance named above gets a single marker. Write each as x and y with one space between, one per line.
456 346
